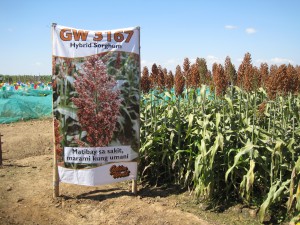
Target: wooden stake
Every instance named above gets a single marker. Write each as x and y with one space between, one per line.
134 187
134 181
1 149
55 168
55 177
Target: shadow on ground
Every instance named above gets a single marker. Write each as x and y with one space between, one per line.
110 193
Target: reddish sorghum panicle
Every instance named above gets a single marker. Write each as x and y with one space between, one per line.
194 76
186 72
245 73
230 72
145 80
170 80
153 76
160 79
219 78
179 81
264 73
97 102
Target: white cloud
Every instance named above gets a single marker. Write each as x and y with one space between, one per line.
146 63
259 61
170 64
277 60
210 59
230 27
38 64
250 30
171 61
240 60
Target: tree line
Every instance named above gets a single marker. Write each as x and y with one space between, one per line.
24 78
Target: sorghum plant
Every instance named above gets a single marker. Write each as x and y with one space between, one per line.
203 71
230 72
154 75
245 73
195 77
264 72
145 81
220 81
186 72
179 81
160 79
170 80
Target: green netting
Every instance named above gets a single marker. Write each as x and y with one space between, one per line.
25 105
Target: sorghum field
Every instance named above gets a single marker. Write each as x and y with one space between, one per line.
228 136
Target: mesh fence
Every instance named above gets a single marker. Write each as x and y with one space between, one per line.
24 104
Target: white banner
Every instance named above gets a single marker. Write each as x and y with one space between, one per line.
96 80
72 43
109 173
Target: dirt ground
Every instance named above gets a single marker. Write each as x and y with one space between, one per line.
26 191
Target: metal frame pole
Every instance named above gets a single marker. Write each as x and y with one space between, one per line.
1 150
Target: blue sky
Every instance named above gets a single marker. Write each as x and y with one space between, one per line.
170 30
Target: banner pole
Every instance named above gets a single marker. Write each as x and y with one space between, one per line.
1 149
55 168
134 181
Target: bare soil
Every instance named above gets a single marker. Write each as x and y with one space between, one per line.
26 190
